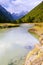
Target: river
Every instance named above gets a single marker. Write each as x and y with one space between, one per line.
15 42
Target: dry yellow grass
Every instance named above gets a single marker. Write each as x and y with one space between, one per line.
39 28
8 24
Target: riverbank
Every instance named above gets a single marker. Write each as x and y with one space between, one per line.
8 25
37 30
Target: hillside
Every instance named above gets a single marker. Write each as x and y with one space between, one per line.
35 15
5 16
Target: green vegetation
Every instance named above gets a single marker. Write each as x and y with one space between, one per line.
35 15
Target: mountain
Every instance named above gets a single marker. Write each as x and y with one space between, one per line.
35 15
17 16
5 15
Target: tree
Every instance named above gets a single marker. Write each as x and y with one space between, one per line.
20 21
30 19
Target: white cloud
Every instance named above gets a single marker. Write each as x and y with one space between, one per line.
18 6
4 2
10 8
17 1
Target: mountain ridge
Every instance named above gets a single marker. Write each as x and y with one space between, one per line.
5 15
18 16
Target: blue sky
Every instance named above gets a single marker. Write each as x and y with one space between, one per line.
17 6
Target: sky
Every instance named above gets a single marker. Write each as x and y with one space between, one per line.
18 6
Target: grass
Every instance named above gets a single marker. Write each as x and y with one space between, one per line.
8 25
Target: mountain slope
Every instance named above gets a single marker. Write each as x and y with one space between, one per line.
18 15
35 15
4 15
